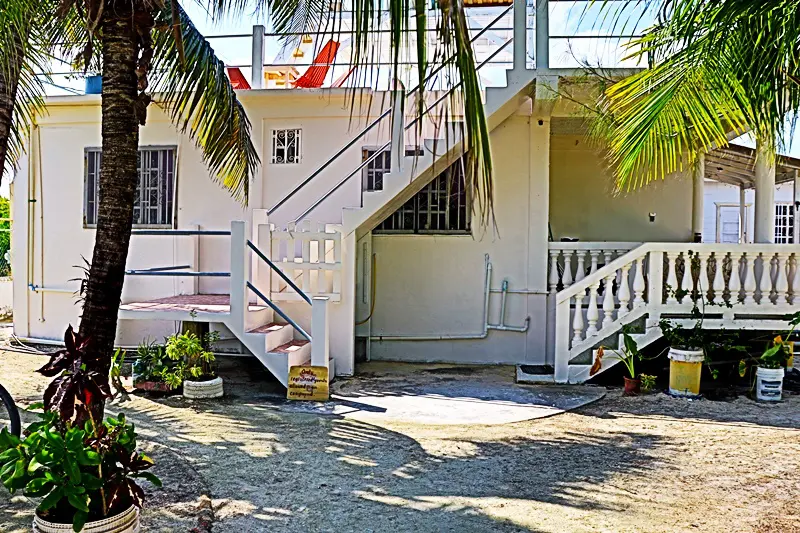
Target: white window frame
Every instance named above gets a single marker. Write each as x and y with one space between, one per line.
789 218
742 223
298 140
171 215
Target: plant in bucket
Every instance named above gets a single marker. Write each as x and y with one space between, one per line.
771 365
86 470
627 356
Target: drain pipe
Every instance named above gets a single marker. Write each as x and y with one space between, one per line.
453 337
502 325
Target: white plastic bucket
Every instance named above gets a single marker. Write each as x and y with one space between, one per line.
769 384
125 522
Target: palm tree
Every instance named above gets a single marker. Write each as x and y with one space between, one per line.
720 68
152 45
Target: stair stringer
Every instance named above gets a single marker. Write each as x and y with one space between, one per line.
580 373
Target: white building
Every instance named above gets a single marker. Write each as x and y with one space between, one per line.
396 266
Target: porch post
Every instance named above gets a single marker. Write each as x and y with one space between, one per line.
698 197
542 55
796 207
743 225
257 62
765 196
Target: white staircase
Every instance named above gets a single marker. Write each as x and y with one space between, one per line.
750 287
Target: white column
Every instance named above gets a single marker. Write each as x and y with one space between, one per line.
257 59
698 197
743 223
796 207
239 277
765 196
320 331
398 149
542 55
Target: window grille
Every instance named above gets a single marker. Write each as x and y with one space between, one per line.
155 190
372 175
440 207
784 223
286 146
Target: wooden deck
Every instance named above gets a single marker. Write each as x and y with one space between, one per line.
186 307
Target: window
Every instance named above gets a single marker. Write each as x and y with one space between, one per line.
372 175
784 223
286 146
440 207
155 191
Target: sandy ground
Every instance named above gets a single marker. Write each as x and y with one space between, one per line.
647 464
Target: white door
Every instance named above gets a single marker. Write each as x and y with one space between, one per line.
729 228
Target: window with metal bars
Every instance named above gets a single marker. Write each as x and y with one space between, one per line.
155 191
439 208
286 146
784 223
372 175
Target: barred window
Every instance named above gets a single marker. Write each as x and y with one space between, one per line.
372 175
155 191
441 207
286 146
784 223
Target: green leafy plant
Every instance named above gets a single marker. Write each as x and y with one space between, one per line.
192 361
648 382
115 374
777 351
151 363
627 355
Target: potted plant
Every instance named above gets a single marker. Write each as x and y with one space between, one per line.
150 368
770 370
648 382
193 366
627 356
686 356
84 469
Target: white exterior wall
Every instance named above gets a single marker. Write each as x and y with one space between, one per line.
717 194
73 124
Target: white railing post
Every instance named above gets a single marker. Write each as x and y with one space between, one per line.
320 331
561 370
257 59
238 289
655 290
398 127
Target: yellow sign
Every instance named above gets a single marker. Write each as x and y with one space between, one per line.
308 383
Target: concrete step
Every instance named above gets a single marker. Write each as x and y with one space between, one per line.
535 374
275 334
297 352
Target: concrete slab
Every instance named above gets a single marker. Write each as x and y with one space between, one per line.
447 395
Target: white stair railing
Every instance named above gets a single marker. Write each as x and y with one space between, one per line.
741 286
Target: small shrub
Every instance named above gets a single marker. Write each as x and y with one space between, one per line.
192 361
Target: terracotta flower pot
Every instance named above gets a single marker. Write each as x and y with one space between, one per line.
632 387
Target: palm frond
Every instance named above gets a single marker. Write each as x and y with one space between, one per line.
198 97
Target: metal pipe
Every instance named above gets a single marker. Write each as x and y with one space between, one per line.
177 232
182 274
468 336
162 269
278 310
502 325
504 290
39 288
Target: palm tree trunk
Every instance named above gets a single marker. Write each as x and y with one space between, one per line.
118 178
9 82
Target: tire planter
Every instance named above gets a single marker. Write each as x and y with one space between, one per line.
125 522
198 390
769 384
684 372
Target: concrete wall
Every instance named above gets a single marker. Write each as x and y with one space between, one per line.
583 204
434 285
722 194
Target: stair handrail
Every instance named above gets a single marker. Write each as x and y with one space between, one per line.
388 145
277 270
386 113
278 310
580 287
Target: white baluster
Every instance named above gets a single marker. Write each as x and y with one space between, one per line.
672 277
607 256
577 322
718 285
639 284
594 256
735 283
580 273
620 253
793 281
608 300
750 278
566 279
554 278
592 313
782 282
624 290
703 285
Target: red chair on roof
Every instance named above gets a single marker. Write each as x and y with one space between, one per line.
314 77
238 81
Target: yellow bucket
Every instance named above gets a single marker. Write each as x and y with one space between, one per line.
684 372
